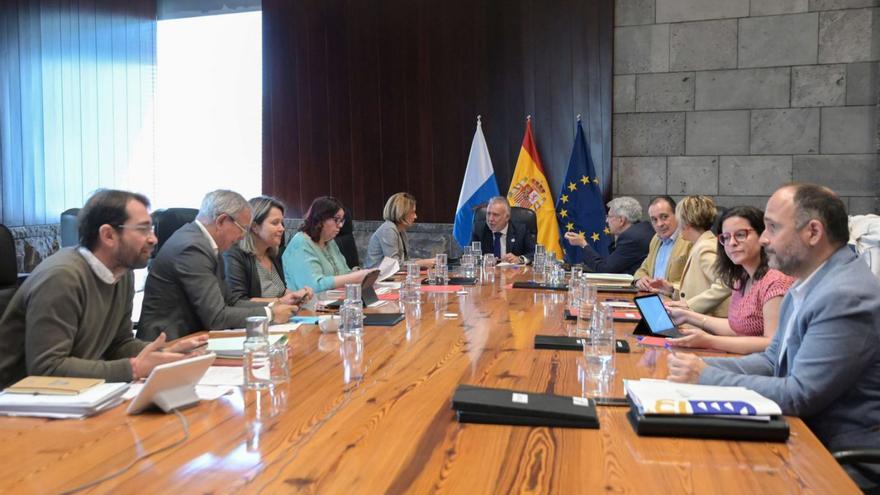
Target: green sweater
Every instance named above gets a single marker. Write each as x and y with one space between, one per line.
65 321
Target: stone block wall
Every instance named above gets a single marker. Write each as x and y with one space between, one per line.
732 98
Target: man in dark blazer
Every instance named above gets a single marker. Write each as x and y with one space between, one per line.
515 244
633 238
185 290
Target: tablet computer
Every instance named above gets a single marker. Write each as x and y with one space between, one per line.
655 316
172 385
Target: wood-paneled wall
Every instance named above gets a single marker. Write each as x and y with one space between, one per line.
365 98
76 100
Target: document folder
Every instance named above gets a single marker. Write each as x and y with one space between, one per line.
775 430
560 342
505 419
536 285
510 405
382 319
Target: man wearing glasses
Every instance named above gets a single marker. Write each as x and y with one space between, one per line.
632 239
185 290
72 316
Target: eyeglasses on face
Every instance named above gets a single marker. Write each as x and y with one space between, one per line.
339 220
145 229
740 235
241 227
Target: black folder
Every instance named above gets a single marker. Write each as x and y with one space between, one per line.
455 281
553 410
536 285
560 342
775 430
382 319
505 419
614 288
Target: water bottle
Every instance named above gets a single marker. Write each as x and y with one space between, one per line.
256 364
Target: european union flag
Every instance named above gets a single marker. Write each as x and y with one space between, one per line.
579 207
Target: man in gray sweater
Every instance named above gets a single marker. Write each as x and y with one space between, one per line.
72 316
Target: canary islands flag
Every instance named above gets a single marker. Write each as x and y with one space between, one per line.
479 186
529 189
579 207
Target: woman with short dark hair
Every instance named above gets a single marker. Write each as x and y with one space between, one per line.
253 266
313 259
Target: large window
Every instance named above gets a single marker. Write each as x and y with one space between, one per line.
209 108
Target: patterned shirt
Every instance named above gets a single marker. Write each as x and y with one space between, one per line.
746 312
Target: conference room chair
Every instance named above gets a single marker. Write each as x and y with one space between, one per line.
167 221
520 216
345 240
865 462
69 234
8 268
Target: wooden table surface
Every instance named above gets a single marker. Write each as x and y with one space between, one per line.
382 423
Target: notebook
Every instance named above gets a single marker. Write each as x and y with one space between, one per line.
52 385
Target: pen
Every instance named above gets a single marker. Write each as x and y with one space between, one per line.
668 348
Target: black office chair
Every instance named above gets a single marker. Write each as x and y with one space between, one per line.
345 241
69 232
8 268
520 216
862 463
168 220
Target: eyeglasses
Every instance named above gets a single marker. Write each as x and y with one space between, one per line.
339 221
740 236
143 229
240 226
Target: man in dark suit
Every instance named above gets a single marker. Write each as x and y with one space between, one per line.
508 241
633 238
185 290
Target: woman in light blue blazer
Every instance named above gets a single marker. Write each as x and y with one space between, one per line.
313 259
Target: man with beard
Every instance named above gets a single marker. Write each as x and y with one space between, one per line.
72 316
823 363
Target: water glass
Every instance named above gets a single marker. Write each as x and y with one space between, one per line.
440 259
576 272
432 275
410 291
256 364
443 275
279 364
467 265
586 303
352 319
352 351
574 293
256 327
412 270
476 248
352 292
599 351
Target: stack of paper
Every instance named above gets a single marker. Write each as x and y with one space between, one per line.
661 397
610 279
233 347
86 403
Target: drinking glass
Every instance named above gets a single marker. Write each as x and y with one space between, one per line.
440 259
352 292
476 248
279 364
412 270
586 303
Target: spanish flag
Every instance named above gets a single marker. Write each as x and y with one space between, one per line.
529 189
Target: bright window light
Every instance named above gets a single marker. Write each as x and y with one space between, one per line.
209 108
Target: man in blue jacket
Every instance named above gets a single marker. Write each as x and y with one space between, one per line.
823 363
633 239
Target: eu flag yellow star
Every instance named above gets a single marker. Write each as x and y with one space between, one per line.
572 186
595 237
563 213
585 179
569 226
581 233
607 231
595 180
564 198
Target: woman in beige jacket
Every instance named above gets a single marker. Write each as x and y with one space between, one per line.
699 286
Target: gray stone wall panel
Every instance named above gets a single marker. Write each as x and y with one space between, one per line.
845 36
692 175
864 206
641 49
642 175
743 89
849 130
753 175
778 40
842 4
633 12
847 175
862 80
717 133
702 45
648 134
785 131
773 7
696 10
818 85
624 93
665 92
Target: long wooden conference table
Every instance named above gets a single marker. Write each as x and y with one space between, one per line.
378 420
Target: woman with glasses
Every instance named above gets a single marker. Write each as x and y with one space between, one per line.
313 259
253 265
389 240
695 215
757 291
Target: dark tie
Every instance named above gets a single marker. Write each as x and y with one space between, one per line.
496 244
